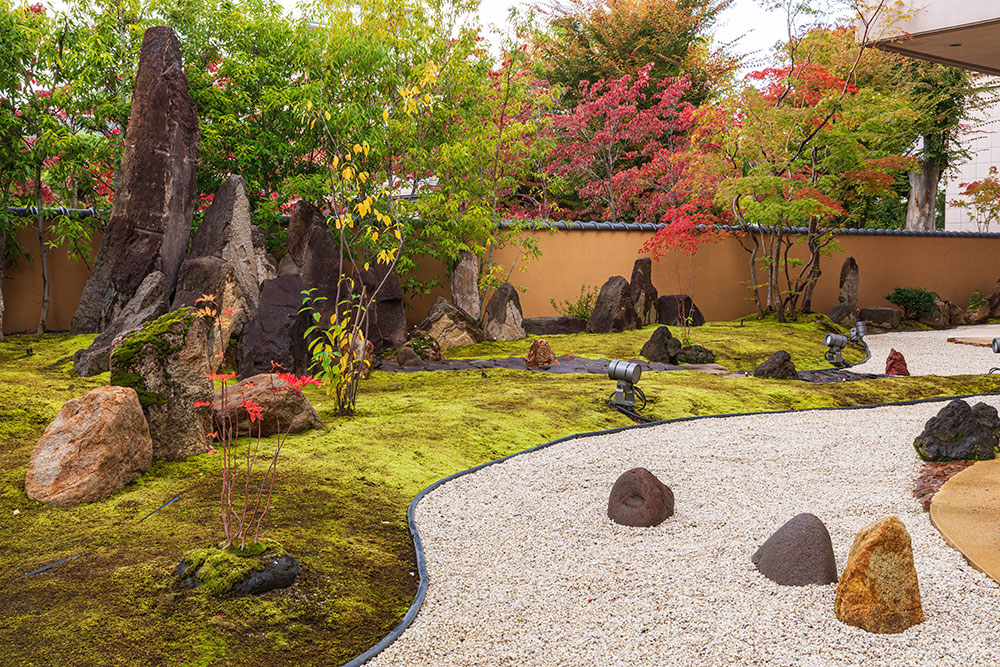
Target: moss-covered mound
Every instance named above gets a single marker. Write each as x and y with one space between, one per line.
739 345
339 504
217 569
164 335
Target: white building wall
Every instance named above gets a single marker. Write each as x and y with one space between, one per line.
983 141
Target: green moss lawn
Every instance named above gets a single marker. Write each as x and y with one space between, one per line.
340 506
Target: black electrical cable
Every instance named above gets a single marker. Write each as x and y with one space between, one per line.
45 568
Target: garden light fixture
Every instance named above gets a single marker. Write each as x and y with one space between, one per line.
996 350
858 332
835 343
626 373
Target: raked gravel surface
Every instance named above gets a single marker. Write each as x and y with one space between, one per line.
526 568
930 353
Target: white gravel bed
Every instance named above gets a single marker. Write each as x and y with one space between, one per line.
930 353
526 568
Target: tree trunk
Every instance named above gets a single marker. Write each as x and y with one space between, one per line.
3 248
923 196
42 251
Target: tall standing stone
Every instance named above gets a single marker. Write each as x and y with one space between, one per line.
644 295
155 189
465 284
223 262
305 216
846 310
504 321
614 310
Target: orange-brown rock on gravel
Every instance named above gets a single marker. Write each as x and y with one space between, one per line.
878 590
97 444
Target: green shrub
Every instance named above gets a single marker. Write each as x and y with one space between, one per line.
582 307
915 301
976 299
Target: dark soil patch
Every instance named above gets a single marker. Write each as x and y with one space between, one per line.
932 477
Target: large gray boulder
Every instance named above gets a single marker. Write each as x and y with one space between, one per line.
885 318
643 293
451 326
465 284
614 310
97 444
155 188
960 432
503 315
148 303
167 363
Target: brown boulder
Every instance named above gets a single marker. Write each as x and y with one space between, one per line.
540 355
97 444
638 498
878 590
885 318
285 407
167 363
940 315
553 326
614 310
451 326
895 364
155 189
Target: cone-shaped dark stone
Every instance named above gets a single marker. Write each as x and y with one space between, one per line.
799 553
155 189
638 498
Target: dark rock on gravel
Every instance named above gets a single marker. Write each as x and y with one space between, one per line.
638 498
798 553
960 432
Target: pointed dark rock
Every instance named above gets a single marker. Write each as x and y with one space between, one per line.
155 191
614 310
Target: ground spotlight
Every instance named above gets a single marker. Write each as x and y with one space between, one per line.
835 343
996 350
858 332
626 373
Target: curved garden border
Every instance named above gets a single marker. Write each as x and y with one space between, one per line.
418 600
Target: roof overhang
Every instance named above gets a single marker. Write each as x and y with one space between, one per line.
960 34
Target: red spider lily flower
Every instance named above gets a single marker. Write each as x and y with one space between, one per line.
198 404
214 435
297 383
225 377
254 411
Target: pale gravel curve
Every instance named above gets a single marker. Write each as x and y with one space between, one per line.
930 353
526 568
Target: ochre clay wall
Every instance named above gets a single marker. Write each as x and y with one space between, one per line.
715 277
22 286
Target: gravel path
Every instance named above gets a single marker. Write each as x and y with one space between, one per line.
526 568
930 353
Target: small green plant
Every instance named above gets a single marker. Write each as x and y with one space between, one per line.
583 305
915 301
339 358
976 299
425 345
